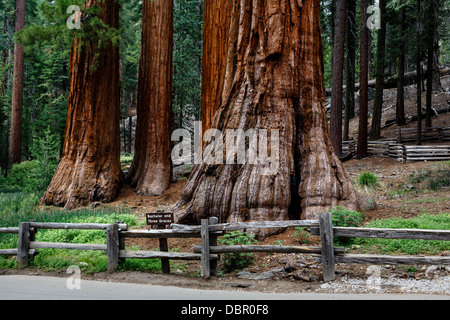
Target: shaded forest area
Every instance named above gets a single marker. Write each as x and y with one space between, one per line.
51 70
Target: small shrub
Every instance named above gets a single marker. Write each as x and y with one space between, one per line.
342 217
368 180
302 235
237 261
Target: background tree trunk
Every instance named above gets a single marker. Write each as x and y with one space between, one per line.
379 88
400 110
273 81
216 23
90 165
338 77
350 67
419 74
364 78
151 170
15 144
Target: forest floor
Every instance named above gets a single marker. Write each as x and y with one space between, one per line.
398 196
402 193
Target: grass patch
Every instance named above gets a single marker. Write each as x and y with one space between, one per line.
20 207
433 179
368 181
410 247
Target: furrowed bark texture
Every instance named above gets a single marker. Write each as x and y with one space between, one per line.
151 170
273 80
216 24
90 165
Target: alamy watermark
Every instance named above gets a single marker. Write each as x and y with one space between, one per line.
374 21
74 281
74 21
234 146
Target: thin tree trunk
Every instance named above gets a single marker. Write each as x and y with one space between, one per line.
379 88
273 81
89 170
431 43
419 73
338 77
216 24
350 67
15 144
429 94
151 170
130 134
364 78
400 110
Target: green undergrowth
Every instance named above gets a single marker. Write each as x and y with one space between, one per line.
409 247
21 207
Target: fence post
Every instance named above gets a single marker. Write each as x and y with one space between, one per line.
121 243
23 245
205 258
112 246
404 154
213 242
326 237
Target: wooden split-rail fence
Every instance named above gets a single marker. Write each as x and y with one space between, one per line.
401 152
208 253
428 134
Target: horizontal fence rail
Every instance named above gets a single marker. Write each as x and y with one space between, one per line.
404 153
208 253
412 234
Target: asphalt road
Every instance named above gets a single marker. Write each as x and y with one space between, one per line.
49 288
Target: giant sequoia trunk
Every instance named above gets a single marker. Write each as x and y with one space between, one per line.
216 24
273 81
15 143
151 170
90 165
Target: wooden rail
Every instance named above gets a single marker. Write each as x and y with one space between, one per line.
208 252
401 152
428 134
412 234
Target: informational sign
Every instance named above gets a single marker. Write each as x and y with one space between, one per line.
160 219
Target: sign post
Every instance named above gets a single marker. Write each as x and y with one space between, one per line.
161 220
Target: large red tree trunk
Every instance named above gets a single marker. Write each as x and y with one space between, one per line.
216 24
15 143
90 165
273 81
151 170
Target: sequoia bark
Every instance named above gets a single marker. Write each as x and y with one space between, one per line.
151 170
273 81
216 24
90 165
